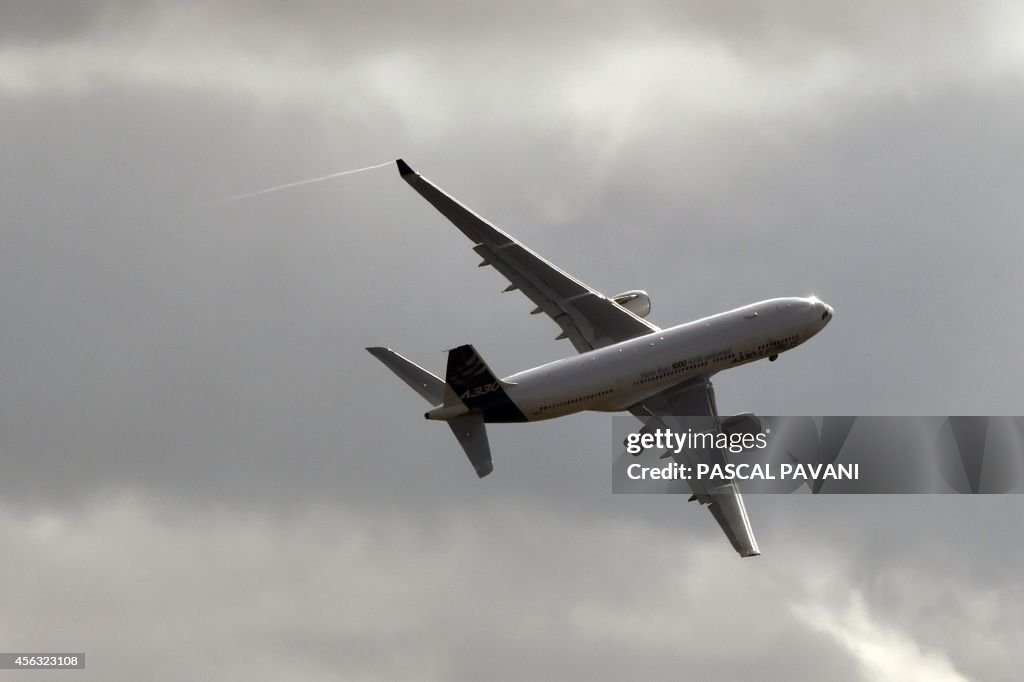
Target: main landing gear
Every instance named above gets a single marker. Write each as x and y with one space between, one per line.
773 358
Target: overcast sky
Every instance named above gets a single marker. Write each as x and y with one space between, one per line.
206 476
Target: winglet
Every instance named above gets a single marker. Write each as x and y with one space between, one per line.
403 168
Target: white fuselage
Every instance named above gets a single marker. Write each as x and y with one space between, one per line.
613 378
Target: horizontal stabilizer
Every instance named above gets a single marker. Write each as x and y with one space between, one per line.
420 380
471 433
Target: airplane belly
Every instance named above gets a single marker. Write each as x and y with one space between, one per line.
614 378
601 381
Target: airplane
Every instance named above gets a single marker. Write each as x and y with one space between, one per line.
624 362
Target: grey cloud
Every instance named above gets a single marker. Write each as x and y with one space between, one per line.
42 21
758 24
476 597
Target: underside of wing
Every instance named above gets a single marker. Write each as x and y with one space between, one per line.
691 407
586 317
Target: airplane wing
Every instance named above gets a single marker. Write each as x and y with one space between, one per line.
694 403
588 319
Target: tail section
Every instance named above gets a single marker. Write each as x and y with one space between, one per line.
469 397
420 380
473 383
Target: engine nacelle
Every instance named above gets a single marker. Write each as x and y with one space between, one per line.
636 302
743 423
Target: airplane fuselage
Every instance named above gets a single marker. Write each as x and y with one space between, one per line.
613 378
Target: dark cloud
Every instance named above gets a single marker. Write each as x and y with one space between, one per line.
504 593
29 22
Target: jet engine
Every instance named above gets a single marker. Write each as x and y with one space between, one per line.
636 302
745 422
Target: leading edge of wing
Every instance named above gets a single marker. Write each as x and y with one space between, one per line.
588 318
477 228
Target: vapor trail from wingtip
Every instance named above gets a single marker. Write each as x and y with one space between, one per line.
287 185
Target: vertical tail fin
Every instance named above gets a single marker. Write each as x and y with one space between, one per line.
473 382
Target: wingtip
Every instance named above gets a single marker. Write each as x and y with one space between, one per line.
404 169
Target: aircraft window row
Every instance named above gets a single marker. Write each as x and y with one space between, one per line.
778 343
685 368
574 400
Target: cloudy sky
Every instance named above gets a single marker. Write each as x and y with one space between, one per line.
206 476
